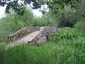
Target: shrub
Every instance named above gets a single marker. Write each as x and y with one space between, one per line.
67 34
46 20
80 25
14 22
64 33
67 18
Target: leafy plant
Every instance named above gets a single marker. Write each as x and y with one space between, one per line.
80 25
67 34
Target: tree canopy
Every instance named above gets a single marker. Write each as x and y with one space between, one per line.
53 5
57 5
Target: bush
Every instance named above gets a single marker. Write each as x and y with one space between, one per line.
64 33
14 22
80 25
67 18
46 20
67 34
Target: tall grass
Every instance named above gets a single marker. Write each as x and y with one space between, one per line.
27 54
67 50
49 53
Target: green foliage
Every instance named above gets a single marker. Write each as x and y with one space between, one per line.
1 44
46 20
36 3
75 42
80 25
18 8
67 19
14 22
67 15
25 54
58 5
70 49
81 10
67 34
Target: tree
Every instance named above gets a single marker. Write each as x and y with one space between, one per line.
18 8
2 2
58 5
54 5
36 3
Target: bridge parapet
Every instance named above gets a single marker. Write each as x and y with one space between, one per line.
22 32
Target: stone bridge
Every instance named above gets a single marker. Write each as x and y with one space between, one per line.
32 34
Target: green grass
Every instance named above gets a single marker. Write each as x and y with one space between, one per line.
28 54
65 47
49 53
66 50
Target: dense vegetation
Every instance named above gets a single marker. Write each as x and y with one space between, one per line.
14 22
64 47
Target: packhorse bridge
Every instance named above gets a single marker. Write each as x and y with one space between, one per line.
32 34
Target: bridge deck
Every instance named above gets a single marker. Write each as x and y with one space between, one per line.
28 38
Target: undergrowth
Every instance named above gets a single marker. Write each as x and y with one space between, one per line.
65 47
